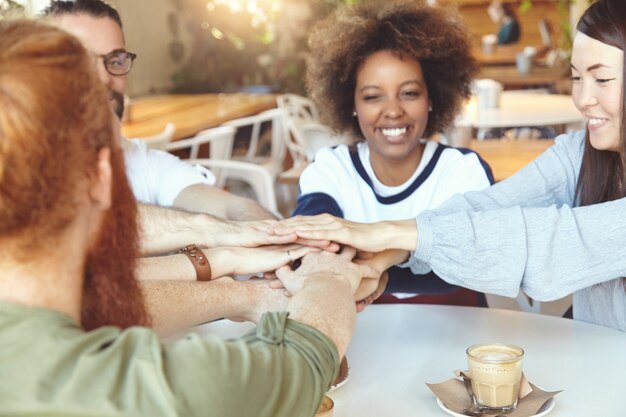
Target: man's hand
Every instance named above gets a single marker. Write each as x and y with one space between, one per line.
324 265
259 299
257 233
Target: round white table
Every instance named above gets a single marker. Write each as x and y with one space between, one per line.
397 348
523 109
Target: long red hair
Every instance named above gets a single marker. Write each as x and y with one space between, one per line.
55 119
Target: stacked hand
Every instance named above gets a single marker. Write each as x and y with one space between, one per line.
324 264
386 243
244 261
305 236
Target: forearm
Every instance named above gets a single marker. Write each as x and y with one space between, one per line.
326 303
396 234
164 230
178 267
165 268
175 306
242 209
550 252
201 198
388 258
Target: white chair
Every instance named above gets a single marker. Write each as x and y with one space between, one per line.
304 134
274 117
160 140
220 143
254 175
298 107
316 136
272 163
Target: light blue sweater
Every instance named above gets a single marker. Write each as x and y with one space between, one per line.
524 233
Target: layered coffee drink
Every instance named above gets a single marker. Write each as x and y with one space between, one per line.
495 370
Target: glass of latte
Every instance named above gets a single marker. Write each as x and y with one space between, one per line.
495 370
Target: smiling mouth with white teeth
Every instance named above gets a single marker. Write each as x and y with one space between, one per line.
595 122
393 132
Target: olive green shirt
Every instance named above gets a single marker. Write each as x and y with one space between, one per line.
49 366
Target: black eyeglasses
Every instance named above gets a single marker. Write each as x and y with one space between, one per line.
118 62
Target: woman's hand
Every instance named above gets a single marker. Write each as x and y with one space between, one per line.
255 233
372 287
244 261
374 237
365 287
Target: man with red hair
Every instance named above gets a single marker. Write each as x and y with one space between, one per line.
175 299
62 186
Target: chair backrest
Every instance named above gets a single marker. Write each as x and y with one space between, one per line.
278 149
298 108
317 136
160 140
220 142
254 175
304 134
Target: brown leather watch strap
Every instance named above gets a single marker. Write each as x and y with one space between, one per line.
199 261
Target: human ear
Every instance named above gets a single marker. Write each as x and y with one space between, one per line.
101 184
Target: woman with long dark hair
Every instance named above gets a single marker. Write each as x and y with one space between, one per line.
556 227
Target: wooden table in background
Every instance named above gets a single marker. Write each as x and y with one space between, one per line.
503 54
537 77
506 157
191 113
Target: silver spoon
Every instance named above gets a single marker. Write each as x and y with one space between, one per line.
473 410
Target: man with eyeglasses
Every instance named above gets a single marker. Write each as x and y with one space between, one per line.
117 63
165 230
156 177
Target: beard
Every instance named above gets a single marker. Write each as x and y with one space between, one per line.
111 294
117 103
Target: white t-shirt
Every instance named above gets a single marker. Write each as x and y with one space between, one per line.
341 181
157 177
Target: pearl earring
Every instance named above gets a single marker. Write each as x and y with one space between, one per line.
354 113
430 108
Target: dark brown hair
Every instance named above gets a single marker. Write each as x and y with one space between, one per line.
410 29
93 8
508 11
602 174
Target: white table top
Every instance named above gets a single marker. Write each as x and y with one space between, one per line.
523 109
397 348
